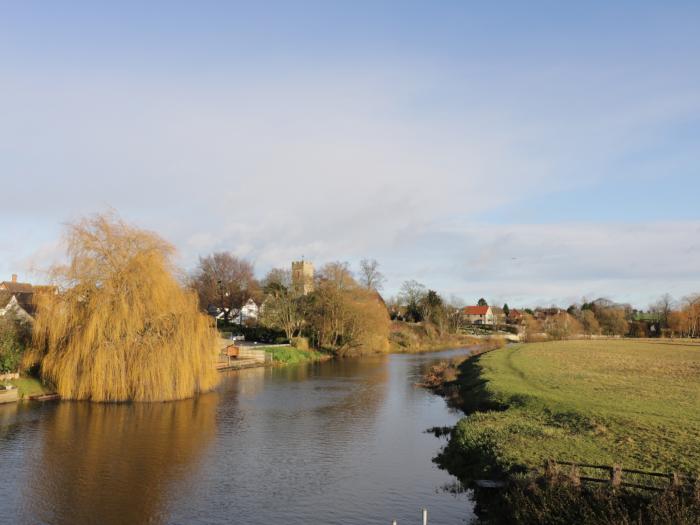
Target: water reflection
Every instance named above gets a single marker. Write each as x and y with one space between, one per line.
339 442
112 463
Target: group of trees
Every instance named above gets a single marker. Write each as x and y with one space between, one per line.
597 318
684 320
343 314
225 281
416 303
604 317
330 315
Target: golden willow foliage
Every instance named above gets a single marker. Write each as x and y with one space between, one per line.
122 328
346 318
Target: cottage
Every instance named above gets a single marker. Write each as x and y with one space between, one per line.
17 299
15 287
514 316
13 308
478 315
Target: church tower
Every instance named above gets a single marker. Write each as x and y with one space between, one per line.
302 277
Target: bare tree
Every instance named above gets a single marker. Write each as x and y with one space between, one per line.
282 309
338 274
663 308
276 280
225 281
411 297
370 276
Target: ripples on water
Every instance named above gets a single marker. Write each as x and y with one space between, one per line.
335 442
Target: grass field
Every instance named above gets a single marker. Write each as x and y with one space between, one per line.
629 402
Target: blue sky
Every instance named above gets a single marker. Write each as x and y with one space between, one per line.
531 152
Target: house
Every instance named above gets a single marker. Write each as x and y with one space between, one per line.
17 299
249 310
12 307
247 313
478 315
542 314
14 286
515 316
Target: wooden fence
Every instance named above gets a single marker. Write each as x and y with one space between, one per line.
616 476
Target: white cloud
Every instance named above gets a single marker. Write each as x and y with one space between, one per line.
340 166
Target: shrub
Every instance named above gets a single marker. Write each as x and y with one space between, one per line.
13 339
300 343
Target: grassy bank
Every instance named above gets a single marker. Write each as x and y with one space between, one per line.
288 355
634 403
603 402
29 386
424 337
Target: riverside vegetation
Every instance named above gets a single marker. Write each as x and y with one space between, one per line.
121 323
635 403
122 327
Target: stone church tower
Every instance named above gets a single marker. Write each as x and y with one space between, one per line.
302 277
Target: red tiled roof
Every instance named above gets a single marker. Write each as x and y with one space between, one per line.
476 310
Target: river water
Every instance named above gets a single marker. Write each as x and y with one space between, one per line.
339 442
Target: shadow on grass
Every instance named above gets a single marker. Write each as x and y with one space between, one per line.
470 457
468 392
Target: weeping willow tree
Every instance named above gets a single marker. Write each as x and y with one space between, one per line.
122 327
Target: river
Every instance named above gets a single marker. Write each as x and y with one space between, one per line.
338 442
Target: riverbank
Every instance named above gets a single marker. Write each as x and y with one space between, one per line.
414 338
289 355
29 386
601 402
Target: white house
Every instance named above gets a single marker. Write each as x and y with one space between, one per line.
478 315
248 312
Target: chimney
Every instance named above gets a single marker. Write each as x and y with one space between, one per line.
14 277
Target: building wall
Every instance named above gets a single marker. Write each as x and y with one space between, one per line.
302 277
481 319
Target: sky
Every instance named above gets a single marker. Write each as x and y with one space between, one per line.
533 153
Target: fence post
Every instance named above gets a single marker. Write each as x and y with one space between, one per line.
575 476
616 476
425 516
675 480
550 470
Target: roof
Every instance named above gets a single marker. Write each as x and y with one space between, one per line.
514 313
15 287
22 311
476 310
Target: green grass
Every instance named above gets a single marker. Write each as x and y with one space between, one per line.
289 355
629 402
29 386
